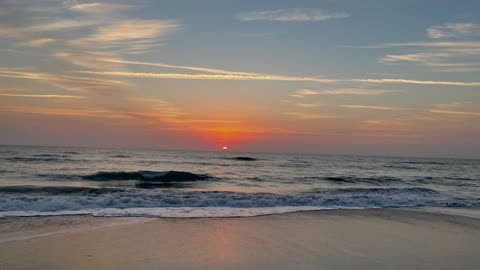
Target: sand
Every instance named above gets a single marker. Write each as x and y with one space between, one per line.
334 239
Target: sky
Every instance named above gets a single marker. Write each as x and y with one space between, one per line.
371 77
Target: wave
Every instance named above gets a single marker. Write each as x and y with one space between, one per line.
42 200
448 181
195 163
244 158
56 190
32 159
8 152
171 212
56 177
425 162
112 176
167 176
151 185
355 180
120 156
49 156
142 179
402 167
39 158
413 190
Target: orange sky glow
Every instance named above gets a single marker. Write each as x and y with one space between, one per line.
141 76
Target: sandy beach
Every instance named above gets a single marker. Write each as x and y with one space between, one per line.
331 239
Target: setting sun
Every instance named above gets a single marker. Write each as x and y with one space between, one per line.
225 148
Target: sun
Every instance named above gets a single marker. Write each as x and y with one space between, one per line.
225 148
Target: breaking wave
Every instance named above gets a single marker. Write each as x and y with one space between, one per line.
43 200
56 190
244 158
362 180
120 156
167 176
35 159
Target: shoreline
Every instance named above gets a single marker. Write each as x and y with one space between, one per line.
222 212
332 239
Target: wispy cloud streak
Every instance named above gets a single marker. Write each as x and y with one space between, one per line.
192 68
382 108
436 44
455 112
45 27
40 96
39 42
450 30
237 77
96 8
292 15
419 82
308 116
266 77
341 91
451 56
68 82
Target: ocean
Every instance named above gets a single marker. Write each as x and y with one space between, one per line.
44 181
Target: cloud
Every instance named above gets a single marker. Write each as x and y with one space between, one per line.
152 101
100 8
305 92
227 76
452 105
308 116
192 68
64 112
415 57
341 91
366 107
456 108
449 58
292 15
193 121
68 82
60 25
455 112
39 42
267 77
126 36
39 96
308 105
107 31
92 36
386 125
461 56
460 69
136 47
419 82
450 30
182 76
90 59
435 44
134 30
219 74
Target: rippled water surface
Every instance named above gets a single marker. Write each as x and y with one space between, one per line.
52 180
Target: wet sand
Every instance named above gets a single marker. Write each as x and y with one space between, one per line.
330 239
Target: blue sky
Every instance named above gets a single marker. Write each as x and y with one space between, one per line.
339 76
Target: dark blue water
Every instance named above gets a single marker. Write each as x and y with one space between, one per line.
113 182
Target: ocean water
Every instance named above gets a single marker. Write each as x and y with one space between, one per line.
155 183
